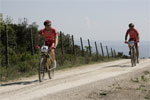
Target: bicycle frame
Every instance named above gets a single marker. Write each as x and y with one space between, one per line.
45 53
133 53
46 63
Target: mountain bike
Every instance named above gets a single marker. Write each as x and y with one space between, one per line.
46 64
133 53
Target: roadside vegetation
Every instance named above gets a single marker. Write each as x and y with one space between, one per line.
23 62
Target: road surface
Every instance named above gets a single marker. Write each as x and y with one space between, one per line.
72 83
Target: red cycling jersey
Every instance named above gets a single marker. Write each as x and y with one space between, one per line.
133 33
49 36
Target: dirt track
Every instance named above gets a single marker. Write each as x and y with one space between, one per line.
78 83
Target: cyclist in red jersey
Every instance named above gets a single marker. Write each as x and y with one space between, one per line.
51 38
134 35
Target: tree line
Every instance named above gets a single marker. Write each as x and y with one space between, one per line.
20 39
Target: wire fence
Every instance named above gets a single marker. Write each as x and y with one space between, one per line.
86 46
91 46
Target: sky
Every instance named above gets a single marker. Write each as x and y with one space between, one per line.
89 19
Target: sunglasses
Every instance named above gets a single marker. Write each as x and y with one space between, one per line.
48 25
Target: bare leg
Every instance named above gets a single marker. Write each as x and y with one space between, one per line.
129 48
52 53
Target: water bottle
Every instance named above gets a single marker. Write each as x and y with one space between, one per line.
48 61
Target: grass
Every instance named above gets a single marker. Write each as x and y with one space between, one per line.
143 78
147 97
146 72
26 64
136 80
12 74
80 61
103 93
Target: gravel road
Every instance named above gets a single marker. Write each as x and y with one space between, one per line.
78 83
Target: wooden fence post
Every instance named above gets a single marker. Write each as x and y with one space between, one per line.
73 45
61 40
89 47
112 53
32 47
96 48
6 37
115 53
107 52
82 46
0 47
102 49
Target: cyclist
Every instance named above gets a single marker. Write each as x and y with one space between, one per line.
134 36
51 38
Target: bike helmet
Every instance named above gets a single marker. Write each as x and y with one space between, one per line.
131 25
47 22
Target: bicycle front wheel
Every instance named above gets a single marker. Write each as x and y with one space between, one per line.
132 57
41 69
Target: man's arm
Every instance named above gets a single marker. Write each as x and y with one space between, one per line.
138 38
56 41
56 38
54 44
126 35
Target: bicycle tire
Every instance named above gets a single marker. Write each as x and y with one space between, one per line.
41 70
132 57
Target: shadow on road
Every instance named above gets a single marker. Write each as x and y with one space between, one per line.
19 83
120 66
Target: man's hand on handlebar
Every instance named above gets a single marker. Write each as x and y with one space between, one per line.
126 41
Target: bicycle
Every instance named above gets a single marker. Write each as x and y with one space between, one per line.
46 64
133 53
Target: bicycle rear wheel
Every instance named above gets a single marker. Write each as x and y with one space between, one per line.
41 69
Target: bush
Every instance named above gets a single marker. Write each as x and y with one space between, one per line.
19 65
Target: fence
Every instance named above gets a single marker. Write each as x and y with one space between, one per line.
101 52
98 48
